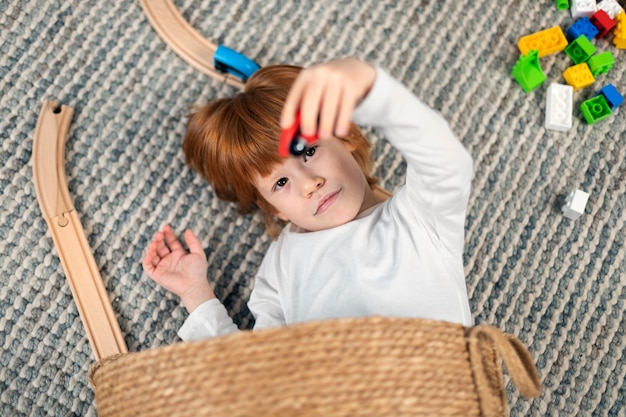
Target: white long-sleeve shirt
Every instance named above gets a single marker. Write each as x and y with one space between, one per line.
400 258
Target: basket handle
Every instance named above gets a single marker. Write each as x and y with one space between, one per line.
485 344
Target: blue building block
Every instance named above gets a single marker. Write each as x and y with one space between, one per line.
612 96
582 26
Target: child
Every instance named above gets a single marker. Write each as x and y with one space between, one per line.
345 250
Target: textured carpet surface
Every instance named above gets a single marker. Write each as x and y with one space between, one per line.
558 284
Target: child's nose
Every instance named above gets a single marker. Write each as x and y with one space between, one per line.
312 184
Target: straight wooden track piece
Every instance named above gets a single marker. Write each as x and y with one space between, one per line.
68 235
184 39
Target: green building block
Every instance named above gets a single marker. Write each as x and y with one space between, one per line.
528 72
562 4
601 63
580 49
595 109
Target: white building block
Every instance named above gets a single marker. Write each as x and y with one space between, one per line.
583 8
611 7
575 204
559 105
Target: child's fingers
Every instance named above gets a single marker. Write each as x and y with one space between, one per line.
326 94
150 259
292 103
305 97
193 242
147 265
160 248
329 110
170 238
310 102
344 115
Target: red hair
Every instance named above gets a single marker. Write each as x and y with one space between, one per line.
231 140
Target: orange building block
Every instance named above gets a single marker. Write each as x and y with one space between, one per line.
548 41
619 33
579 76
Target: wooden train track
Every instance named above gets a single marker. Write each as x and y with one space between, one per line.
68 235
184 39
94 307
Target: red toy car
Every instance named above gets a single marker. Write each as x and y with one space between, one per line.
292 142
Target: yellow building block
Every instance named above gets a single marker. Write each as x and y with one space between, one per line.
579 76
619 32
548 41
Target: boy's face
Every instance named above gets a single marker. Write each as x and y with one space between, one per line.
321 189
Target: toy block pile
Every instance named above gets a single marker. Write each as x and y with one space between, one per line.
592 21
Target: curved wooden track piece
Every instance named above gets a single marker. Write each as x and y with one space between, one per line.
69 238
183 39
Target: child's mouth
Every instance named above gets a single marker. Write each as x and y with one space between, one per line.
326 202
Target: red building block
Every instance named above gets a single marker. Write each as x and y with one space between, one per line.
603 22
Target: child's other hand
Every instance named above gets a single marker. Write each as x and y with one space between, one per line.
328 93
181 272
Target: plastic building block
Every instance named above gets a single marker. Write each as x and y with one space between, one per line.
620 31
579 76
528 72
595 109
580 50
575 204
562 4
580 8
582 26
559 105
547 42
612 96
611 7
603 22
601 63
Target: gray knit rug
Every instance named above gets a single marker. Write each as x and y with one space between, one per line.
558 284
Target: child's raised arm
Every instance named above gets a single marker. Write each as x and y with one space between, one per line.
326 94
170 265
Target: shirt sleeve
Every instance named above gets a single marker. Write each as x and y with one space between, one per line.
209 319
439 168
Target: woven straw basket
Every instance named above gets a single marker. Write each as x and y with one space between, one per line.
348 367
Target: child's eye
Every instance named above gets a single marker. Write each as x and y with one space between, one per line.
280 184
309 152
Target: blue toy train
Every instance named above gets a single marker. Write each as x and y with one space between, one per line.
232 62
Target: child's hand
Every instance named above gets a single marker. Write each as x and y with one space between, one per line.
181 272
328 93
